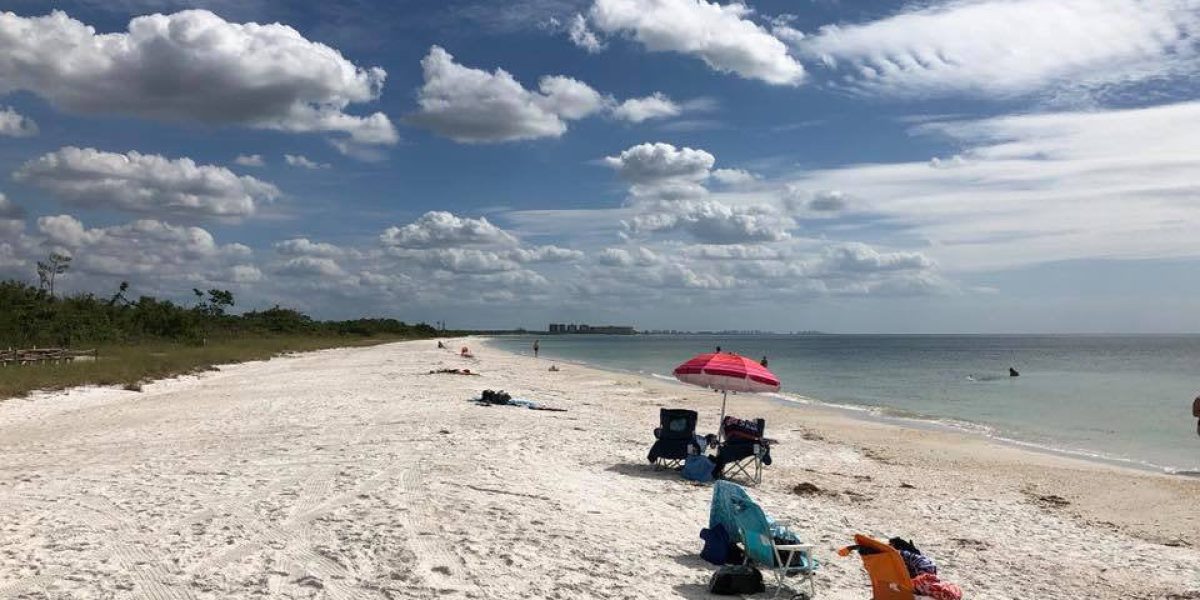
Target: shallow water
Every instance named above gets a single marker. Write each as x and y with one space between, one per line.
1123 398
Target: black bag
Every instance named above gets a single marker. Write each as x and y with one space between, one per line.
732 580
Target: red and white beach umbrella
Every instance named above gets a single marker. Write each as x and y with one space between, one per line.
729 373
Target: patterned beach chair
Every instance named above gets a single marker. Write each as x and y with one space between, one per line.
675 438
743 451
767 544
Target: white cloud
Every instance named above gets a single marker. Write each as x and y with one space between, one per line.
459 260
858 257
310 266
146 248
306 247
244 274
656 106
249 160
723 36
1007 47
582 36
303 162
9 210
798 200
1041 188
471 105
656 163
145 183
713 222
544 254
440 229
14 124
192 66
733 176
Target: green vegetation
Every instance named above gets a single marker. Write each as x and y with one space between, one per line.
148 338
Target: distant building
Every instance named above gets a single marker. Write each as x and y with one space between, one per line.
561 328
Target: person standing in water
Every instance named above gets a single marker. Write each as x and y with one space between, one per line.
535 348
763 362
1196 413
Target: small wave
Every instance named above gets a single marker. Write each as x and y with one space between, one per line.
986 378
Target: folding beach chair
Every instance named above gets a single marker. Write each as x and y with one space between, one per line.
767 544
675 438
885 566
744 450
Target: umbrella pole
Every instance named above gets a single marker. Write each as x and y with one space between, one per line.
721 423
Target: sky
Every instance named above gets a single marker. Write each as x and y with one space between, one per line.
980 166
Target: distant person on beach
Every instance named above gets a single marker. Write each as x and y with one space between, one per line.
1196 413
718 349
1013 372
535 348
441 346
763 362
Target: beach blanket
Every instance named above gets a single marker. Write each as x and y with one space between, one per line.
928 584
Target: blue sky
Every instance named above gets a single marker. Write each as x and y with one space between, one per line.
969 166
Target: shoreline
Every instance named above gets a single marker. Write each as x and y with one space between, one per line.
354 472
854 426
880 414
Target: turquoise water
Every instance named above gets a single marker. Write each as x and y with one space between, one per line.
1122 398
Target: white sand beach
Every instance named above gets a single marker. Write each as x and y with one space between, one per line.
353 473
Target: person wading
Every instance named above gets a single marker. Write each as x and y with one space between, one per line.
535 348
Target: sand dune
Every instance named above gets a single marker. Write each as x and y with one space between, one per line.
355 474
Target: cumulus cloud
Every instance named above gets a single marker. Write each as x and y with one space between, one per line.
310 266
656 106
723 36
145 183
192 66
733 176
14 124
713 222
9 210
306 247
249 160
796 199
303 162
622 257
661 171
858 258
582 36
440 229
145 248
544 254
471 105
967 46
657 163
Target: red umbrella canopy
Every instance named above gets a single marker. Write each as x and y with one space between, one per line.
727 372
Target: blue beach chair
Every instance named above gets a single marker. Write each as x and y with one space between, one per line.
767 543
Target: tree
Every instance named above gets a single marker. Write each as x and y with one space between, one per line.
215 304
120 295
54 265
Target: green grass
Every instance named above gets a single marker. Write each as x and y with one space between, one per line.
130 365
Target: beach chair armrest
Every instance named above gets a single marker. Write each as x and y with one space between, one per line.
806 548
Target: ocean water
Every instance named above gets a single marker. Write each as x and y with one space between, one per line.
1126 399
